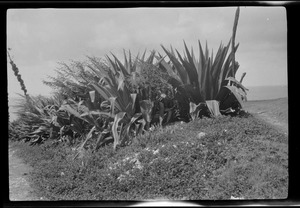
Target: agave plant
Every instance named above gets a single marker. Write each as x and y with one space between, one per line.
115 99
101 95
205 74
35 117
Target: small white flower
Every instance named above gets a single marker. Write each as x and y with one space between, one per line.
125 159
235 198
174 146
121 177
200 135
163 95
138 164
156 151
153 160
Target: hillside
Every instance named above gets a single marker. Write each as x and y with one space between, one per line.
274 112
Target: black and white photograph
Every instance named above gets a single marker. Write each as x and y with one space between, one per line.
155 104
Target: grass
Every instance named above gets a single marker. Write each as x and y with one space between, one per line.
232 157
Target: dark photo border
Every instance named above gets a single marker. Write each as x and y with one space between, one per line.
292 10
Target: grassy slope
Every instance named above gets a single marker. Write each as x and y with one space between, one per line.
237 156
272 111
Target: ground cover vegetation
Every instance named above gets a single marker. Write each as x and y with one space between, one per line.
104 108
210 158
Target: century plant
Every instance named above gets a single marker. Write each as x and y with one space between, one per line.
113 101
35 117
121 86
207 73
101 95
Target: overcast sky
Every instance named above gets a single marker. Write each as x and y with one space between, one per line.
40 38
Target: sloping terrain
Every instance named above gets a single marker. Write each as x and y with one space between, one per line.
274 112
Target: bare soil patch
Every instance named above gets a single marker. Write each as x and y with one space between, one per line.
19 187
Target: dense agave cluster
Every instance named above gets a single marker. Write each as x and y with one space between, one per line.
107 101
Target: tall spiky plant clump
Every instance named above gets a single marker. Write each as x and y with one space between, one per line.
33 118
17 73
207 73
100 94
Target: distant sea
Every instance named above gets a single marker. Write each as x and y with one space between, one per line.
11 109
267 92
254 93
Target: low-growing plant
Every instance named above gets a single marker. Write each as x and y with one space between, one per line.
173 163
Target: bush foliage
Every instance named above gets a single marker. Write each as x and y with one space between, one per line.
104 98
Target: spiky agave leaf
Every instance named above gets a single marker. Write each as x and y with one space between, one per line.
218 69
151 57
191 66
146 107
180 69
169 70
225 72
87 137
120 67
92 95
71 111
102 91
118 117
128 127
194 110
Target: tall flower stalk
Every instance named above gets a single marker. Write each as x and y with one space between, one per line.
17 74
236 19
